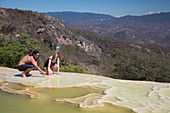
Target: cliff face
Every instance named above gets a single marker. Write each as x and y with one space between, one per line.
146 29
42 27
50 33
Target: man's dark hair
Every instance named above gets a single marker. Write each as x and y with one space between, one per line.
34 52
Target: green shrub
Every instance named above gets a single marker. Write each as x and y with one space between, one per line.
71 68
40 18
11 53
96 62
139 67
21 11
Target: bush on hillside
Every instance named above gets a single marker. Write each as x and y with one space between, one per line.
12 53
72 68
135 66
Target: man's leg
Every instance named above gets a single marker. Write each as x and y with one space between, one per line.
26 72
26 69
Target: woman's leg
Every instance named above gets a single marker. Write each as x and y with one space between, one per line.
45 69
49 71
55 68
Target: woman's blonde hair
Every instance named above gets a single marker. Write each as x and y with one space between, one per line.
55 55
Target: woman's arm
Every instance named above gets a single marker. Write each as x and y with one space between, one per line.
58 65
49 69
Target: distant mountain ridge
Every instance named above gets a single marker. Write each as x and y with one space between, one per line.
68 15
146 29
81 50
79 19
85 18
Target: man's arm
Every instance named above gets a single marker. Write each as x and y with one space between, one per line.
36 66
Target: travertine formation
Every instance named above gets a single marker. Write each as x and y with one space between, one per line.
141 96
21 92
87 101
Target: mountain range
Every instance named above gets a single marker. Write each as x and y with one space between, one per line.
147 29
80 50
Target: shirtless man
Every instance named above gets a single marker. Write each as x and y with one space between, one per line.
28 62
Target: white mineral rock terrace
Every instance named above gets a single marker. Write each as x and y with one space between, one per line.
141 96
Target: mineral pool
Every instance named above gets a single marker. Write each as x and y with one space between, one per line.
79 93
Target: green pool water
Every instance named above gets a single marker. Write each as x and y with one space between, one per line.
13 103
80 93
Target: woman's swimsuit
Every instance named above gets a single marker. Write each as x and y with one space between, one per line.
52 64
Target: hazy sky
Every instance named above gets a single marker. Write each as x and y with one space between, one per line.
113 7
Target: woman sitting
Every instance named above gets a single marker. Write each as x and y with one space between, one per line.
51 64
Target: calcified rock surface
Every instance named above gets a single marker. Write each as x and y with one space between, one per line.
21 92
87 101
141 96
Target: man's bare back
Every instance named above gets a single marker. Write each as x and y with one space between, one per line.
27 63
27 60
